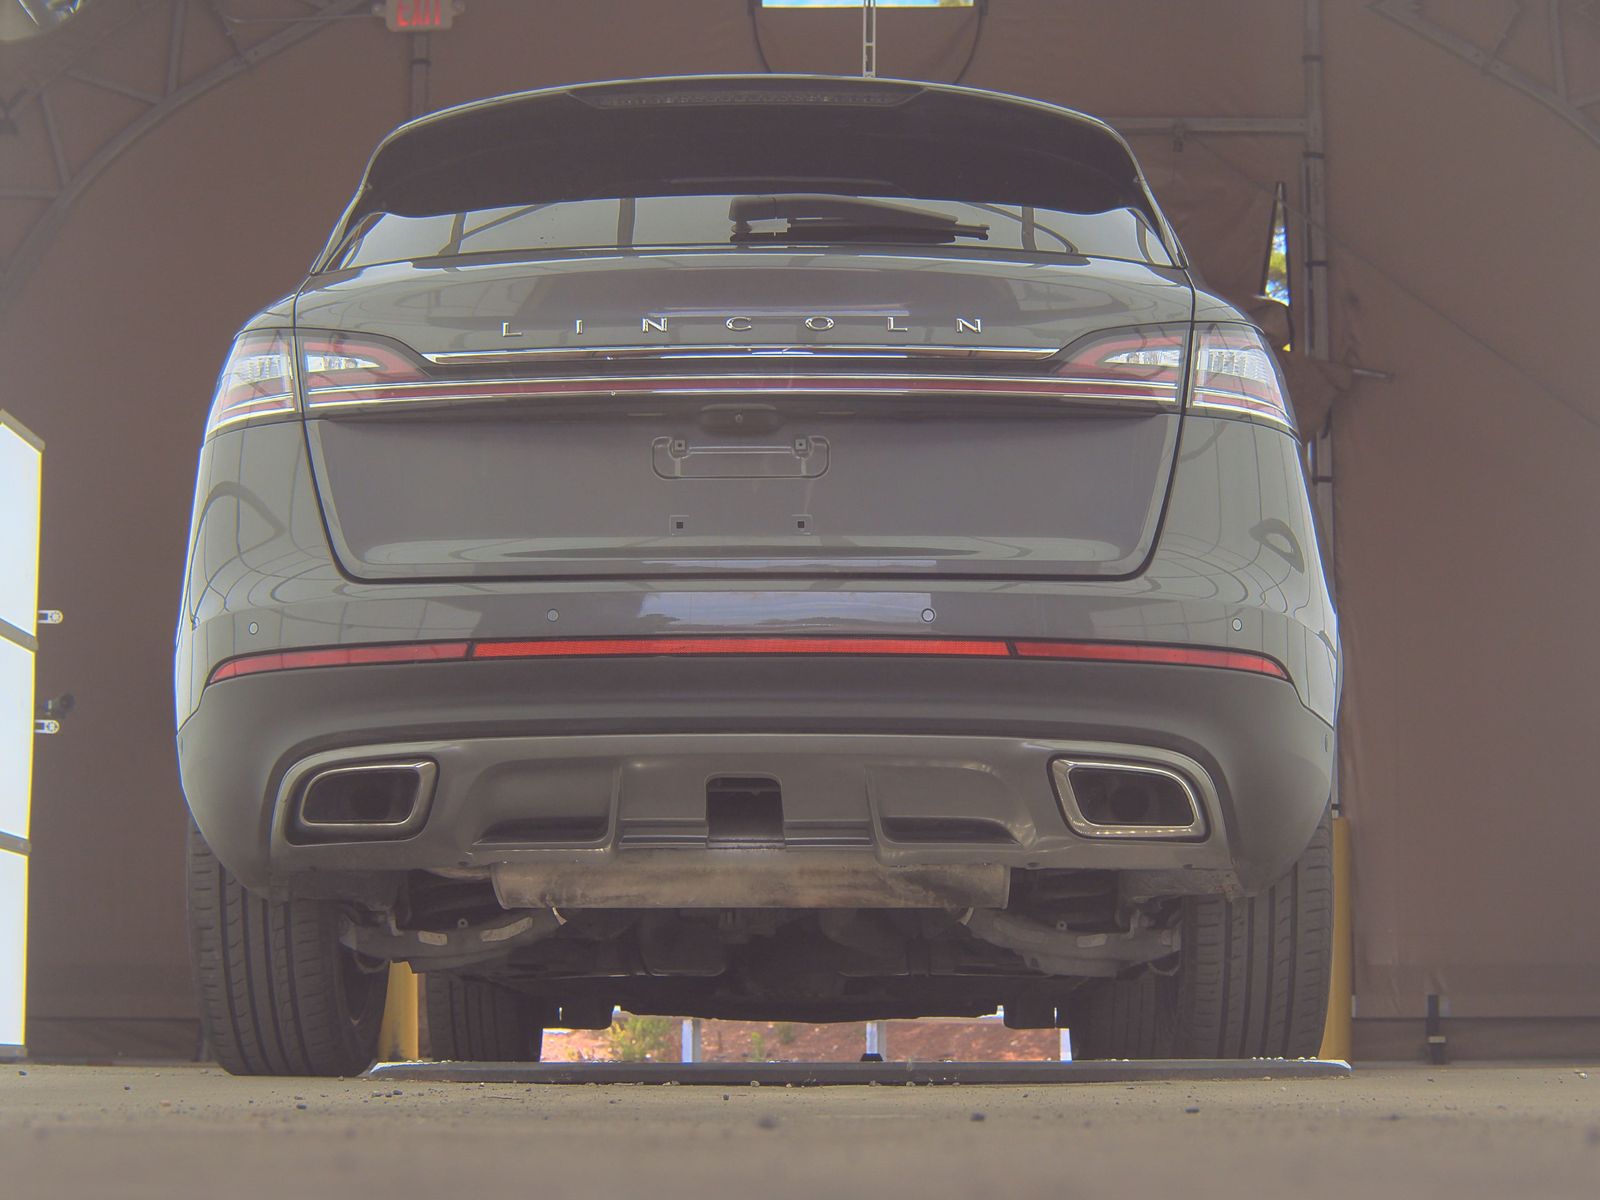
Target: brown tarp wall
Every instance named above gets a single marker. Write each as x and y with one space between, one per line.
1463 263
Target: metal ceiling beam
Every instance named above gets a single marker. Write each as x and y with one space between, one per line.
1178 126
1553 93
111 85
75 180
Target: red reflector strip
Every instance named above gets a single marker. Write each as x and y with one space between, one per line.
624 647
416 652
1233 660
338 656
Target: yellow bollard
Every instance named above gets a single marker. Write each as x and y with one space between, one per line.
1336 1033
397 1039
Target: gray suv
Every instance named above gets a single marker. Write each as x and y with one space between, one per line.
784 548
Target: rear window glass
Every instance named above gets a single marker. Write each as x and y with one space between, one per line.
635 170
646 222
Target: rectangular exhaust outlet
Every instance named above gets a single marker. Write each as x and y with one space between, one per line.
364 801
1128 800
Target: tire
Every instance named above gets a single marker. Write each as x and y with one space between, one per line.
470 1020
278 993
1252 980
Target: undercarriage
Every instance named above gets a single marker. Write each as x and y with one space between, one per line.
832 964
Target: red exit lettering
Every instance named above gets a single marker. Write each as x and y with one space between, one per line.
410 16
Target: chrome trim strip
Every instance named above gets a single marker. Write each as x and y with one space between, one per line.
1183 771
299 782
831 379
1050 387
1121 401
812 350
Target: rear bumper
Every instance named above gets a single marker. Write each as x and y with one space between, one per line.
907 764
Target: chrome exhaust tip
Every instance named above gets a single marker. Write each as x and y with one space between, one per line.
370 801
1117 799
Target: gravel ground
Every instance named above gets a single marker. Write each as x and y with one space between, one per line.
171 1132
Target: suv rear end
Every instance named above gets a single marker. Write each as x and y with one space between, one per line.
767 547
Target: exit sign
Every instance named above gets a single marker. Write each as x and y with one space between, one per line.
418 16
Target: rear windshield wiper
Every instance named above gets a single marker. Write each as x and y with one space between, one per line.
820 218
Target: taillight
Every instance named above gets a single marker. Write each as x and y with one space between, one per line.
256 382
1235 373
1142 363
340 368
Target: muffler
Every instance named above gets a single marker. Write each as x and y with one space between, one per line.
748 879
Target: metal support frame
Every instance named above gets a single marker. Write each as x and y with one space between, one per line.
869 39
181 86
1582 112
1315 323
1315 317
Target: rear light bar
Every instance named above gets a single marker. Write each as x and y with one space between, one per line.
694 646
453 391
701 647
1141 367
1233 373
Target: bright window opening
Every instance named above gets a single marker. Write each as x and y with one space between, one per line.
1275 265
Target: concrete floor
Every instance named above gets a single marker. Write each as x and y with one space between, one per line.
169 1132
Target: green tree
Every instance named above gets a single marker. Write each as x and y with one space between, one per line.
641 1039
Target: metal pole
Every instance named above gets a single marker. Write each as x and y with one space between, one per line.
692 1046
877 1041
869 39
1318 344
1316 225
1315 336
420 62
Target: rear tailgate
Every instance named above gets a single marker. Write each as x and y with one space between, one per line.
680 452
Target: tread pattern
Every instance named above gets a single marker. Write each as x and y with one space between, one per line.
272 980
472 1020
1253 984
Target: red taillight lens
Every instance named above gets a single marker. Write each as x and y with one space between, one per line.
1141 652
1143 363
1235 373
713 645
256 382
340 368
338 656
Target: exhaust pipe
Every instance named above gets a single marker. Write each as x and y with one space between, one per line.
364 801
1105 799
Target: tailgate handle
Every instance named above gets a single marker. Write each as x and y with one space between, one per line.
800 458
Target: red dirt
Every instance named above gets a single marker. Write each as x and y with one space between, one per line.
925 1041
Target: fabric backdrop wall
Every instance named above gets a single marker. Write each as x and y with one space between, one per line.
1461 215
